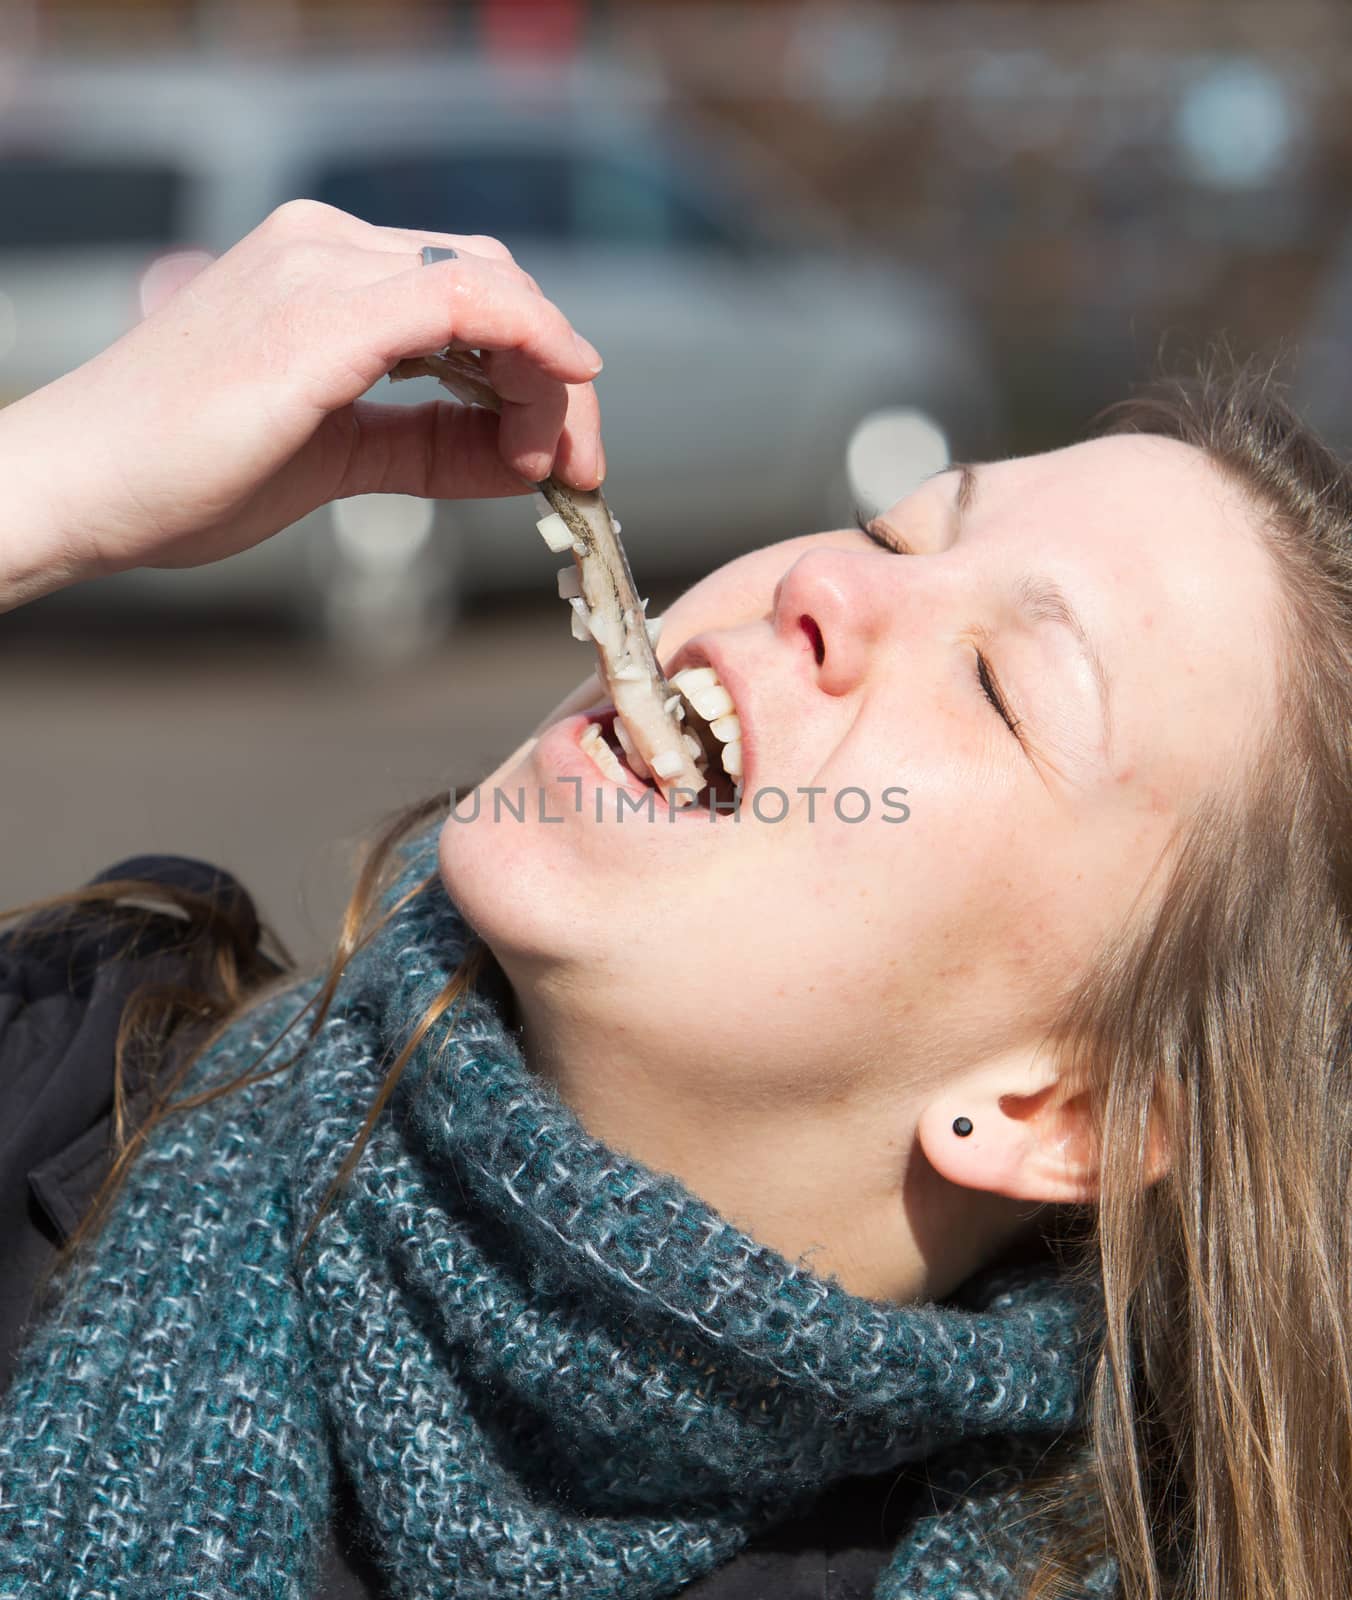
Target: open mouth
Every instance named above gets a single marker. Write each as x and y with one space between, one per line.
712 731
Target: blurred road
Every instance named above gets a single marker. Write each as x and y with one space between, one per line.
251 750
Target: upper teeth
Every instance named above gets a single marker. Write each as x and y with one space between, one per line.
711 700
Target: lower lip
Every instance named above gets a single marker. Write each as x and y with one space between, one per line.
562 757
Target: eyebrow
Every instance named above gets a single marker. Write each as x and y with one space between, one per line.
1041 599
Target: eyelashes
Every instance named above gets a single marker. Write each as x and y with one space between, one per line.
991 690
868 526
984 677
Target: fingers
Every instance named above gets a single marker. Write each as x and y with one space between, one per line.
528 435
580 460
559 433
516 377
438 450
410 241
445 451
374 303
483 303
546 426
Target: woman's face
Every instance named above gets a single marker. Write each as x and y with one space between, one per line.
911 883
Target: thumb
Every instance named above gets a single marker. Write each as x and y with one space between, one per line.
165 276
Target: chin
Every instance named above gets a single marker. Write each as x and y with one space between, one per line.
507 895
471 871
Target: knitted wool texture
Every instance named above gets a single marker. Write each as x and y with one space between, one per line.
549 1370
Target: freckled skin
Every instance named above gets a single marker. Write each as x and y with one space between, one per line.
798 997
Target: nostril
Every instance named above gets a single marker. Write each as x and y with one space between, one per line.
814 633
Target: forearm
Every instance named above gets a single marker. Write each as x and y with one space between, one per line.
37 554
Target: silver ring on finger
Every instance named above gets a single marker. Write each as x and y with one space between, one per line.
432 253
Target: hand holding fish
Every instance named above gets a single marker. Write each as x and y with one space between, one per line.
234 408
663 737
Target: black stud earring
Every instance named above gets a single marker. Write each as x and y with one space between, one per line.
962 1126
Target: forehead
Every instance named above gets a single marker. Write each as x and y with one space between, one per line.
1165 559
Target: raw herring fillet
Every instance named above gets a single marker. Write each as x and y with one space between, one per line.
604 603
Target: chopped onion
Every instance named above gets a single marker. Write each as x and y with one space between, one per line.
554 531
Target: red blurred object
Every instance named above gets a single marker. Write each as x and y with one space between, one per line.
531 27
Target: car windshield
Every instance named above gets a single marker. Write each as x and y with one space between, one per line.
562 196
56 202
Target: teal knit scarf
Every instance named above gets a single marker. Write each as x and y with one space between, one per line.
548 1370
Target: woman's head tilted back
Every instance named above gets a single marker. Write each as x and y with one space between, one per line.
1075 651
1113 681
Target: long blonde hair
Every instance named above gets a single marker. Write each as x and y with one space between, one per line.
1220 1413
1219 1434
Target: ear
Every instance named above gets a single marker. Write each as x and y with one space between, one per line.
1031 1139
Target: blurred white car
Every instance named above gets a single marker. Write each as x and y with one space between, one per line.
743 336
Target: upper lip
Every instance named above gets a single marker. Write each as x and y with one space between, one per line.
695 653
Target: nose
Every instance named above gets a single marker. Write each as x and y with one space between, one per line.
830 599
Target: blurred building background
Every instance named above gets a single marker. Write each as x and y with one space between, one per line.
773 218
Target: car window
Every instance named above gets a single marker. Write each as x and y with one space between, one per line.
623 204
556 195
54 202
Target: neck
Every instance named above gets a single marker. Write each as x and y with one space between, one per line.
842 1187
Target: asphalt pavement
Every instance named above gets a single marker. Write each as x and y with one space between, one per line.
250 747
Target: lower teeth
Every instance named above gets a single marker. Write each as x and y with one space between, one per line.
593 742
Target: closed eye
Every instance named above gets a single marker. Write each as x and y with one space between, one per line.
887 540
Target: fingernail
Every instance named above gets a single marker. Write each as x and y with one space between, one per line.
600 462
589 353
587 476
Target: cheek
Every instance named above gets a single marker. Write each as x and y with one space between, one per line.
947 906
1043 925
